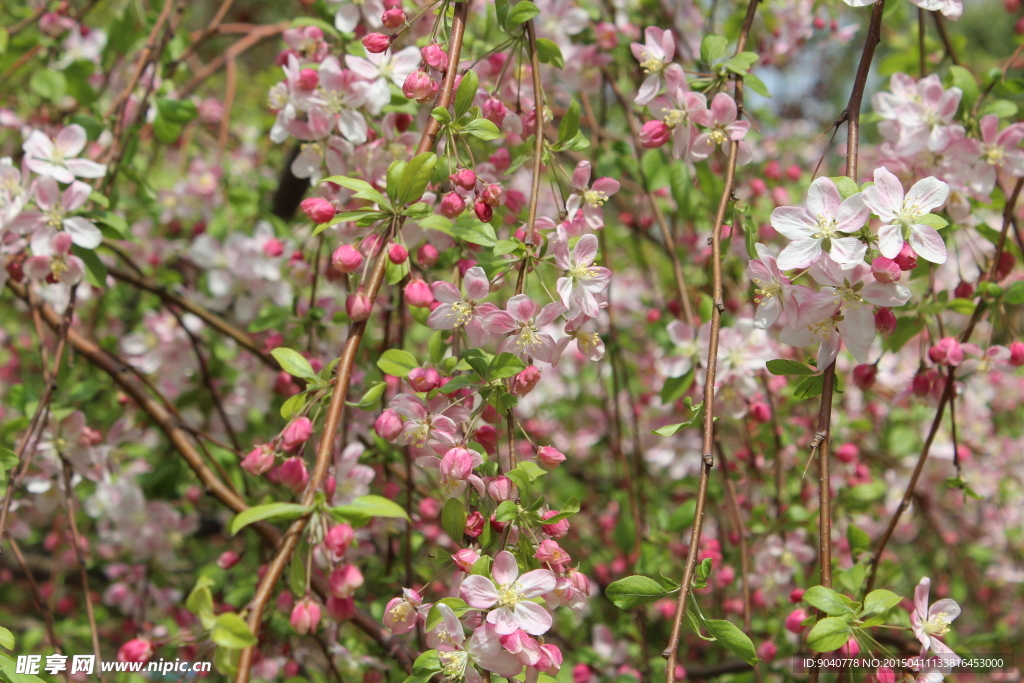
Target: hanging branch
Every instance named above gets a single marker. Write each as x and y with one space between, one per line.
707 454
266 587
947 394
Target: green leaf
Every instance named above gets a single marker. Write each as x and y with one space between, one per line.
781 366
95 271
482 129
937 222
371 397
270 511
521 13
397 363
548 52
506 511
428 661
441 115
361 188
293 405
569 508
200 600
48 84
741 63
176 111
371 506
1004 109
10 670
166 131
6 638
880 601
230 631
395 171
847 187
297 573
466 92
827 600
112 220
729 635
634 591
712 48
809 387
475 233
829 634
757 85
504 365
415 178
1015 294
453 519
570 123
858 539
293 363
963 79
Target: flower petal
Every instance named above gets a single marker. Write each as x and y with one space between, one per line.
479 591
928 244
532 618
505 569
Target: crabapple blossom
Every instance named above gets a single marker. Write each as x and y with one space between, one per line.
582 280
930 623
776 295
509 595
654 55
903 215
525 338
720 120
53 215
813 230
57 158
678 110
469 311
587 201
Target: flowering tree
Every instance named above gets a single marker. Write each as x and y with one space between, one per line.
454 340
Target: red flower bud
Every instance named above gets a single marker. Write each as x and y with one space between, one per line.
452 205
654 134
294 475
419 294
427 255
885 321
305 616
418 85
907 258
346 259
483 212
397 254
885 270
435 57
864 376
388 426
376 42
464 178
318 209
393 18
358 306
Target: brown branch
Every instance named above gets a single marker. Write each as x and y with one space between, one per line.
257 35
37 598
707 455
266 587
947 396
941 24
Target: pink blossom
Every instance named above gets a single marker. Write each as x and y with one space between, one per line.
401 614
418 294
135 650
259 460
465 559
389 425
550 457
776 295
338 540
514 610
813 230
346 259
55 207
52 260
999 151
422 424
318 209
551 553
525 381
458 657
678 110
654 55
582 280
350 12
557 529
56 158
902 215
654 134
720 119
525 338
305 616
947 352
294 475
588 200
344 581
929 623
467 311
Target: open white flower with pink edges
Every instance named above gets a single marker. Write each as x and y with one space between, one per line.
903 215
931 622
813 230
510 598
56 158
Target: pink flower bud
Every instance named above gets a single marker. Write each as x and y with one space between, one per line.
947 352
922 383
135 650
259 461
273 247
964 290
850 648
393 18
758 187
308 79
886 270
339 538
1016 354
418 85
464 178
330 486
501 489
654 134
525 381
487 436
427 255
796 595
491 194
475 524
483 212
340 609
297 433
228 559
435 57
344 581
550 659
346 259
760 411
550 457
794 621
907 258
1006 263
607 35
358 306
318 209
419 294
864 376
452 205
767 650
388 426
305 616
398 254
848 453
885 675
465 559
424 379
457 463
773 170
376 42
885 321
293 474
495 111
550 552
557 529
794 172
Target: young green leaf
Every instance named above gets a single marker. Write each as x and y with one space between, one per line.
270 511
828 601
730 635
397 363
230 631
880 601
466 92
293 362
781 366
634 591
453 519
829 634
